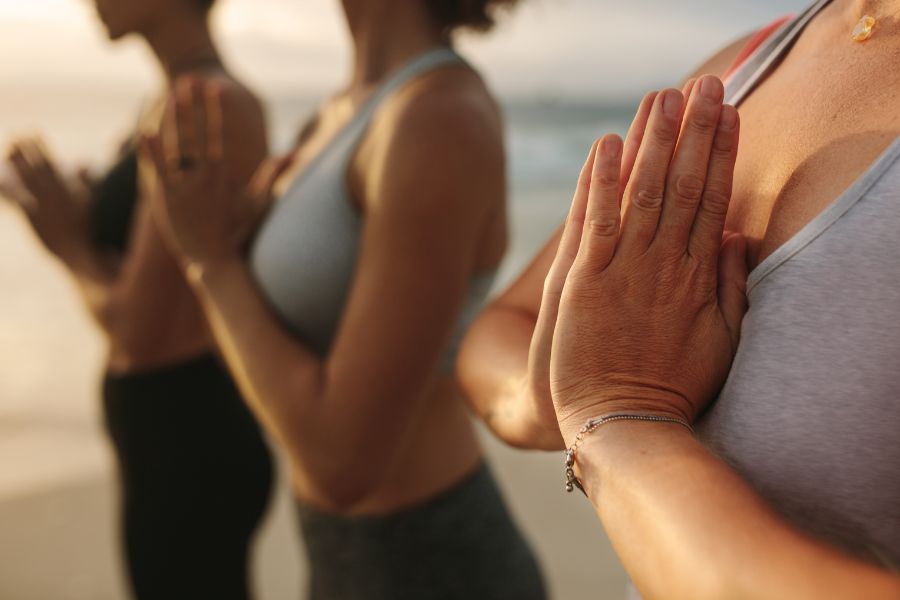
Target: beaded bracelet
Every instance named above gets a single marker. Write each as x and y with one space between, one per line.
571 480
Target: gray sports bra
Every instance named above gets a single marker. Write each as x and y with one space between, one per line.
810 414
305 254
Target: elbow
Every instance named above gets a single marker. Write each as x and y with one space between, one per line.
340 472
477 372
109 315
467 372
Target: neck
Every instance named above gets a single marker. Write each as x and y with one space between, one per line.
182 43
387 34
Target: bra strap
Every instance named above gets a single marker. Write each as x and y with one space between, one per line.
764 59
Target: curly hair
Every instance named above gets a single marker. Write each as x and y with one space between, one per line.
478 15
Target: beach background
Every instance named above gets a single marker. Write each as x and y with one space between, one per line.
566 72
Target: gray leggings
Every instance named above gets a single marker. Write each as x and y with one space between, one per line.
462 545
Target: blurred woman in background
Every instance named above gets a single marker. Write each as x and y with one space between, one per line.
790 487
342 326
196 472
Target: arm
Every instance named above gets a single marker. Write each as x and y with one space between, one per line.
493 366
683 523
341 418
505 358
686 526
150 299
57 211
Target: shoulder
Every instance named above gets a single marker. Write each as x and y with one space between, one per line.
243 115
719 63
242 111
236 97
451 113
238 112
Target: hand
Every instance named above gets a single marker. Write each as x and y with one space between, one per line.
57 211
539 357
206 214
652 302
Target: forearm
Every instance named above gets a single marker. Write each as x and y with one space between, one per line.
99 283
341 452
493 372
686 526
277 376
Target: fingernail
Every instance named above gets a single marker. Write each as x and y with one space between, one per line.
611 146
672 101
711 89
729 117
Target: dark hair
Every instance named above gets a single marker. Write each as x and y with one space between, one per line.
479 15
205 5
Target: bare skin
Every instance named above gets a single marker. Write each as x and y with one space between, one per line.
856 89
654 486
372 427
140 300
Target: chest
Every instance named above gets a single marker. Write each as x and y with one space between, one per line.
318 134
810 130
810 413
305 253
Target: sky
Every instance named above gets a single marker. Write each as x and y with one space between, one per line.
546 48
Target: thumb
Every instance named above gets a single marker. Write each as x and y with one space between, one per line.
267 176
263 184
253 210
733 284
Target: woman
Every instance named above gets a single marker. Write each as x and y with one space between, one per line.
195 470
342 325
798 463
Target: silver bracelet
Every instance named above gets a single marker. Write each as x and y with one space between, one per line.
572 481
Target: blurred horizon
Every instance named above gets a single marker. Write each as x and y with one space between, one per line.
566 71
301 48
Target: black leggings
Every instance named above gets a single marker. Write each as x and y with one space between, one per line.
196 475
461 545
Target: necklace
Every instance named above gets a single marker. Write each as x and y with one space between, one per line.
864 29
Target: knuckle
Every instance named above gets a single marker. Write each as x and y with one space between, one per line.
663 137
689 187
702 123
604 181
604 228
647 197
715 202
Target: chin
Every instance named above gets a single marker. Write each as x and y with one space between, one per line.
115 36
113 33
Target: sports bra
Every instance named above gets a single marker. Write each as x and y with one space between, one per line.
305 254
809 415
113 203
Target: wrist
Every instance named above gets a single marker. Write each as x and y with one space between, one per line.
621 448
210 273
84 261
572 420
